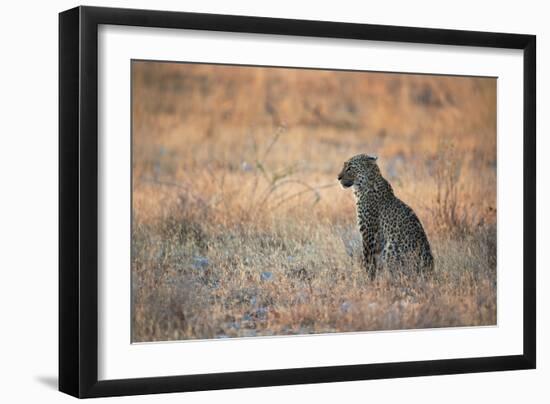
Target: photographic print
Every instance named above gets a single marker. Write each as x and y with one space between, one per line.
271 201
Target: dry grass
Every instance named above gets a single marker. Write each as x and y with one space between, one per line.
240 229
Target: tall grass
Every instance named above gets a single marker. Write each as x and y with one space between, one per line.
240 228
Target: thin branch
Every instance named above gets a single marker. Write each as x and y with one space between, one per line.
310 189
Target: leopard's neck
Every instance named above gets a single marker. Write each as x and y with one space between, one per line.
370 199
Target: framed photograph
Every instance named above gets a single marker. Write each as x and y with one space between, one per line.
250 201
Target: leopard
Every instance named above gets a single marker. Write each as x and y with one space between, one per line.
393 238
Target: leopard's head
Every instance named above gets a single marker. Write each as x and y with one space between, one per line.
360 171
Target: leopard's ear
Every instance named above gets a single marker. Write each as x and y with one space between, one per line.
372 158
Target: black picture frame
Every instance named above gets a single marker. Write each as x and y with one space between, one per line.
78 201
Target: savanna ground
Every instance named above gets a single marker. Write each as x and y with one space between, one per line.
240 228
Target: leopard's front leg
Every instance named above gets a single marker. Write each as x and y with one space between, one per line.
369 250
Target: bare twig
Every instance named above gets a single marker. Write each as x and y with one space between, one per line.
315 190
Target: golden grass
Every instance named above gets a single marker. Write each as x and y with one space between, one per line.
240 227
